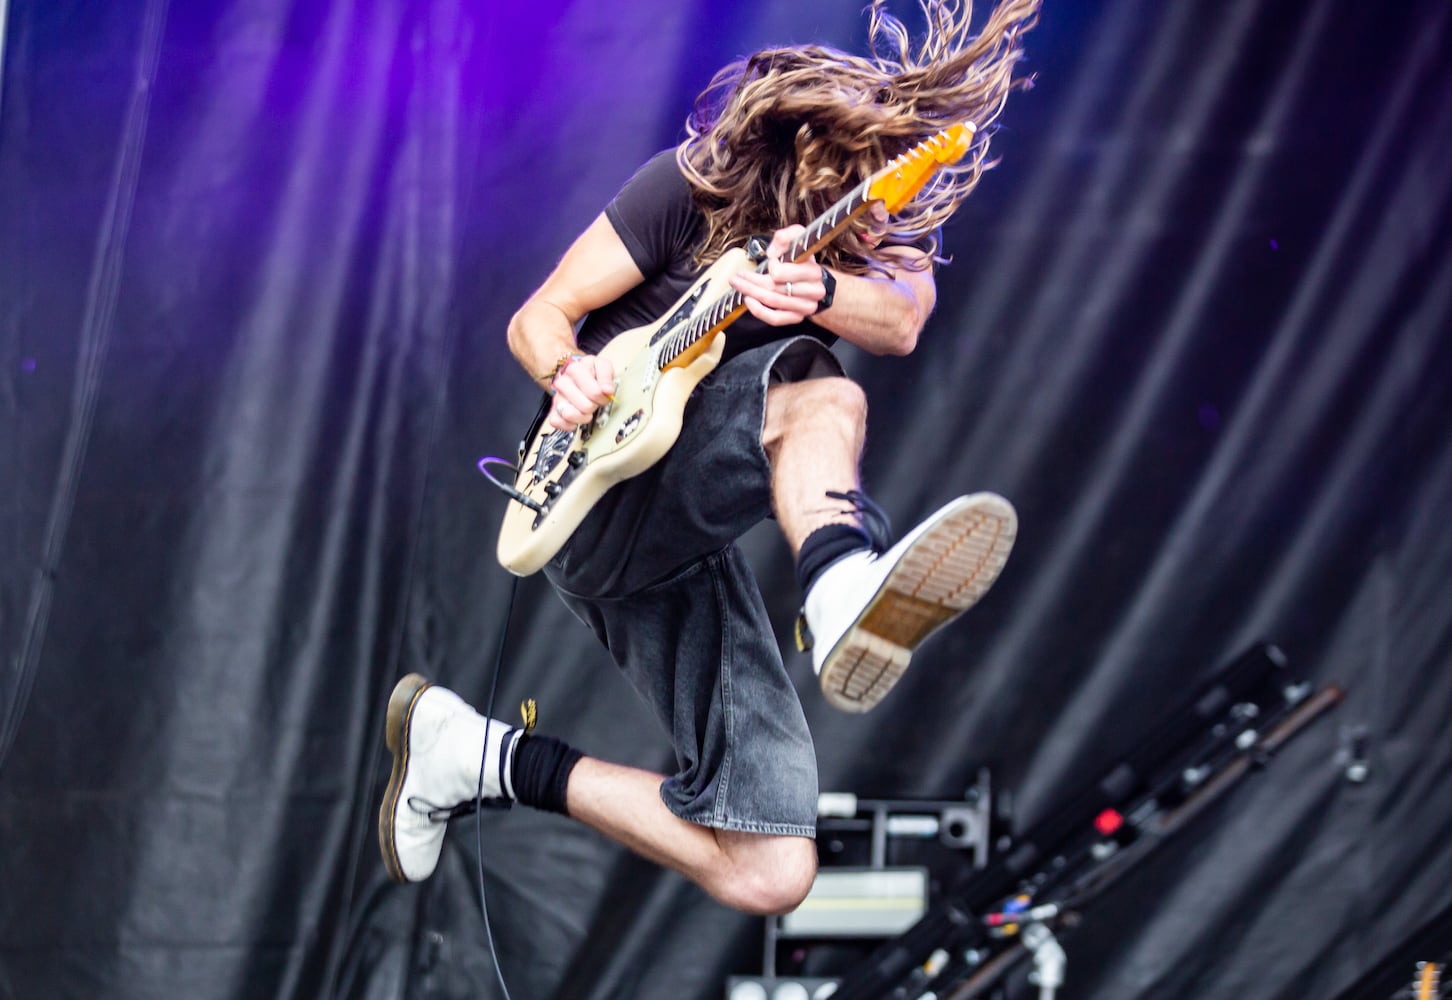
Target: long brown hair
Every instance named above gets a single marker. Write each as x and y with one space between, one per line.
779 136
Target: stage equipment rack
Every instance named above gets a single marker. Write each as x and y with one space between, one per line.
1014 910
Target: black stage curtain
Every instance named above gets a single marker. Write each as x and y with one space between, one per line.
256 258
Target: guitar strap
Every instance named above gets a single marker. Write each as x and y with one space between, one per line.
534 426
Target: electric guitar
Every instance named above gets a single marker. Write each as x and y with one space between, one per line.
562 474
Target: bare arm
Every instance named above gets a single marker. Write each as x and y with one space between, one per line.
595 270
883 314
880 314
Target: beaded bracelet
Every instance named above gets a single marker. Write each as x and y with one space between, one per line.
564 361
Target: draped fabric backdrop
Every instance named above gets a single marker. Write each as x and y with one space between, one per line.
256 260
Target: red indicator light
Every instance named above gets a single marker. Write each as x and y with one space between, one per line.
1108 821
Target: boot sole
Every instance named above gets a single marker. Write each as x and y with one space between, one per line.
395 734
943 573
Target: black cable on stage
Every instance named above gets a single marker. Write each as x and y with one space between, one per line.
479 788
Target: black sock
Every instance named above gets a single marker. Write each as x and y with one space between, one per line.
825 546
542 766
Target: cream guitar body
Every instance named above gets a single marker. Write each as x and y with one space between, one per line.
566 472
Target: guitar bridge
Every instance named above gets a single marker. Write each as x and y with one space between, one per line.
554 447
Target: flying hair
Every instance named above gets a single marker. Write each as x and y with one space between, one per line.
777 137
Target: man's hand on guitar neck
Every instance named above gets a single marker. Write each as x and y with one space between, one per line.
882 314
580 388
788 292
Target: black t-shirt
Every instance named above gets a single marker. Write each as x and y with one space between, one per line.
659 223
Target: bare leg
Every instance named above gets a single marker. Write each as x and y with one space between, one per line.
438 742
813 435
758 873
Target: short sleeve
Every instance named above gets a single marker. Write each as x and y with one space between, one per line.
655 215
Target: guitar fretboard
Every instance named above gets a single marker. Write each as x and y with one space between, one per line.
724 310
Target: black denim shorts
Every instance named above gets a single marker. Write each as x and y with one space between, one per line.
655 572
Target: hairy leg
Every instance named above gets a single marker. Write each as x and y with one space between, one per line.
758 873
813 435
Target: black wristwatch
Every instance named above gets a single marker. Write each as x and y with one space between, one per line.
829 281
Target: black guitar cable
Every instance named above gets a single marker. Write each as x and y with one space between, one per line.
505 488
479 804
485 466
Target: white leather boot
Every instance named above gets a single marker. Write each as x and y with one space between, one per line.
438 743
868 611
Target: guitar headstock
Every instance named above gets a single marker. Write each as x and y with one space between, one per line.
1429 981
896 184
